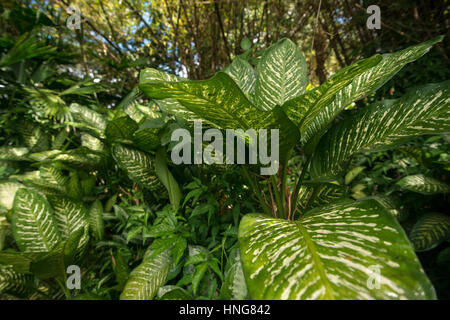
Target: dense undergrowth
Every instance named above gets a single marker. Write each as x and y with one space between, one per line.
361 183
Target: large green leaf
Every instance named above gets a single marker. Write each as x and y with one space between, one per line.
220 101
281 75
423 184
54 263
139 166
333 252
145 279
33 223
169 105
147 139
53 176
121 268
382 125
172 106
429 231
316 109
50 180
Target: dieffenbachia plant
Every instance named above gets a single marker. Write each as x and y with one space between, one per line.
312 241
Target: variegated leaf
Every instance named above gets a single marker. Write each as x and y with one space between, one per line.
392 205
53 176
168 105
151 75
34 137
147 139
60 138
121 129
145 279
171 292
14 153
33 222
381 125
139 166
352 250
234 286
70 215
319 194
129 105
91 142
54 264
352 174
315 110
89 118
430 231
96 219
44 155
281 75
423 184
220 101
172 106
314 103
82 158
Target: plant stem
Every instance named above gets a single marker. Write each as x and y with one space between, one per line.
311 199
256 191
282 189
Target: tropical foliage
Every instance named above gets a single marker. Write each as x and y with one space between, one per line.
91 184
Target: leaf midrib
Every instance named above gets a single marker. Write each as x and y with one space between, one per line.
329 292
